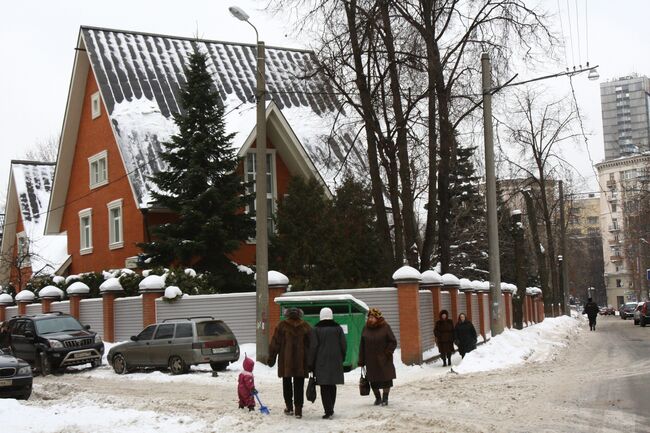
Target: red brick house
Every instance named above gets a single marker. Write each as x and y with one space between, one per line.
119 109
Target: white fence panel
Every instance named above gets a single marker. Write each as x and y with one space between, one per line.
128 317
486 315
462 305
91 313
11 312
34 309
475 313
445 302
62 306
426 320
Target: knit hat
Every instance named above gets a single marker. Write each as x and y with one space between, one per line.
326 314
248 364
375 312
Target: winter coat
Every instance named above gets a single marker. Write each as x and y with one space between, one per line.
444 333
327 352
465 336
376 352
290 343
246 384
591 309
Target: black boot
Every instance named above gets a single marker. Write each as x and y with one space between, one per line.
384 400
298 411
377 394
449 359
444 360
288 410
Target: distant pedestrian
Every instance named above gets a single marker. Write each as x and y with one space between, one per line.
326 355
444 333
591 310
246 385
465 335
290 344
5 335
376 353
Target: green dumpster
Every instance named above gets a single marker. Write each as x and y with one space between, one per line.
349 312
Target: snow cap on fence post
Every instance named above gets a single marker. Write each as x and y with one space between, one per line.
5 301
49 294
23 298
151 288
75 292
467 287
109 290
407 280
432 281
278 284
451 283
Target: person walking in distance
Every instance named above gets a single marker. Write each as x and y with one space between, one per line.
326 355
465 335
591 310
444 333
290 344
376 353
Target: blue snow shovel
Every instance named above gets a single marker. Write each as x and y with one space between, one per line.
265 410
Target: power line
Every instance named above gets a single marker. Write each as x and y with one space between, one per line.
578 32
568 11
559 11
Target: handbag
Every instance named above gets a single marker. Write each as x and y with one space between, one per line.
364 385
311 388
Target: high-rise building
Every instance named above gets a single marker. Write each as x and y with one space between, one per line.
625 105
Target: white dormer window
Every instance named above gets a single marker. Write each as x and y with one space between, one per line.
95 105
98 165
22 250
86 231
115 231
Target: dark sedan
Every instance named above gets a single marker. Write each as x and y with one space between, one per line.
15 377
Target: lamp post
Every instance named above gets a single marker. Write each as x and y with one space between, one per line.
490 177
261 230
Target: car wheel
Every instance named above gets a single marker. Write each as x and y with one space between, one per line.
44 364
119 364
177 365
219 366
26 394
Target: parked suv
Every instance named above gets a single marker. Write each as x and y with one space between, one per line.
177 344
644 316
627 310
54 340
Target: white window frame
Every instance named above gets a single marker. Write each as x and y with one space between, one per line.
115 242
95 159
274 184
22 247
95 105
86 247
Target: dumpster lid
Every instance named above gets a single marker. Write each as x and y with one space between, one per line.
321 298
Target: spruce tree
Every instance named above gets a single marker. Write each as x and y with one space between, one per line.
201 185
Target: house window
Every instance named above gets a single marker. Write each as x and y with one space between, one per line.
270 185
98 169
619 283
592 220
95 105
22 250
613 207
115 233
86 231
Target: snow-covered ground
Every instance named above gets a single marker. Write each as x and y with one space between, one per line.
84 400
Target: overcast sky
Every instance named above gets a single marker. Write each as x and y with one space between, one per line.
37 40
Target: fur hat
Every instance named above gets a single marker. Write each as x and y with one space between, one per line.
326 314
445 312
293 313
375 312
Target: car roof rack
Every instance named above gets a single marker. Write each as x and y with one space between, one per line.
189 319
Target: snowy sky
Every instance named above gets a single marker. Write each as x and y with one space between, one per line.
37 40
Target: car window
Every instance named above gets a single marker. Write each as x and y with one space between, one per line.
183 330
147 333
18 328
164 331
212 328
57 324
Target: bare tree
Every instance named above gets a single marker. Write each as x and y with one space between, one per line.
44 150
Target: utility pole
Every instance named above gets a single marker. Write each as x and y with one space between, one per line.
564 277
496 325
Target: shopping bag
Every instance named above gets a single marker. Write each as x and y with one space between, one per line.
311 389
364 385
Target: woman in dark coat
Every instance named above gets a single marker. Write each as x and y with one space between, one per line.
465 335
326 355
444 333
290 344
376 353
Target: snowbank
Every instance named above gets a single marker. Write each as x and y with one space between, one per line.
536 343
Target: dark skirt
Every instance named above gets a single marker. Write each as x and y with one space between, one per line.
382 385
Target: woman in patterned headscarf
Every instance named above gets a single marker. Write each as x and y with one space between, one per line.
376 353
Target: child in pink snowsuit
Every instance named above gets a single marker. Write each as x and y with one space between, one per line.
246 385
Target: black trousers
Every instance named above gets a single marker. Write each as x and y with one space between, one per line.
592 322
328 397
293 390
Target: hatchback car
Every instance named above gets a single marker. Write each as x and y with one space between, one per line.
644 315
637 313
627 310
177 344
15 377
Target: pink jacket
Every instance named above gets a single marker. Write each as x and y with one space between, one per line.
246 384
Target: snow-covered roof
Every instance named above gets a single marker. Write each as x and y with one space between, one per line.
78 288
140 76
407 273
450 280
276 278
112 284
50 292
25 296
321 298
431 277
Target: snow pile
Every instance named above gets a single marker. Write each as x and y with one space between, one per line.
536 343
86 416
58 279
190 272
152 282
172 292
50 292
112 284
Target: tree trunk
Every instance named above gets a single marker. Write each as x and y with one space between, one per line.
539 254
520 272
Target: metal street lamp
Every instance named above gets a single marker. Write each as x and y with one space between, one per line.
490 177
261 230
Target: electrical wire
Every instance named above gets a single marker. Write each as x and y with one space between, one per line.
587 30
566 58
578 32
568 11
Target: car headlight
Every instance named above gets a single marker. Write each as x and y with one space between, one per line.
25 370
55 344
98 338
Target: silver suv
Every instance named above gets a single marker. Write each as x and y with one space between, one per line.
177 344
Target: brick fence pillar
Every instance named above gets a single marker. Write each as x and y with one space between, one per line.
451 283
507 300
407 280
49 294
110 289
480 297
432 281
23 298
278 285
466 288
46 304
151 288
76 291
5 301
